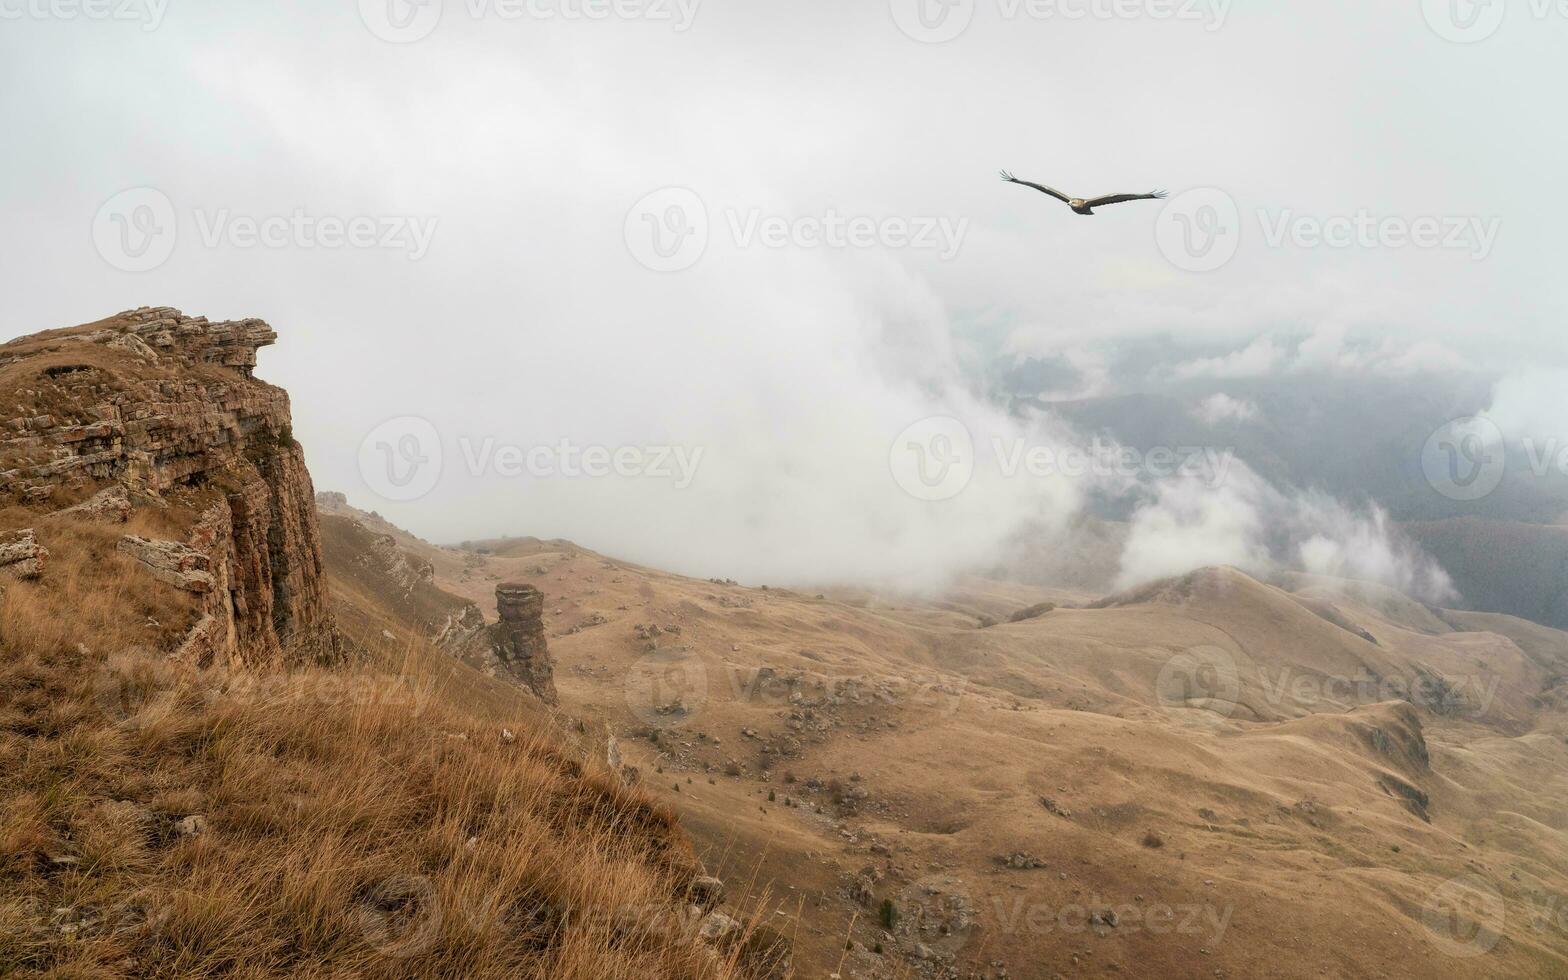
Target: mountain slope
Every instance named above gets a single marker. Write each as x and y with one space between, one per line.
1371 759
199 778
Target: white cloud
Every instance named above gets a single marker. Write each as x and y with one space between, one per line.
1220 407
1532 404
1260 358
1329 349
1248 523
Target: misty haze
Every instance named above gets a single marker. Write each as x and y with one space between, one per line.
585 489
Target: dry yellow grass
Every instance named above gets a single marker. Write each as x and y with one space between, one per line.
162 821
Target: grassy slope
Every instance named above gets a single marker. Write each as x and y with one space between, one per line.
370 820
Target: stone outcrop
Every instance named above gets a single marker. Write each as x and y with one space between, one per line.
460 630
407 570
519 639
21 556
172 563
156 404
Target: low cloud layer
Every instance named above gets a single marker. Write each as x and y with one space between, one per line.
1256 527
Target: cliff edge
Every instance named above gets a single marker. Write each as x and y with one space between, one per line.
158 407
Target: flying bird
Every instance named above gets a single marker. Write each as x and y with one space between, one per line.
1082 205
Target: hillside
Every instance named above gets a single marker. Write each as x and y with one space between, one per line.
219 756
1210 776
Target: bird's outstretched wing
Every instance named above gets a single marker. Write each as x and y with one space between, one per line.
1039 187
1120 198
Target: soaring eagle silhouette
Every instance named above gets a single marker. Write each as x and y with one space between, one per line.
1082 205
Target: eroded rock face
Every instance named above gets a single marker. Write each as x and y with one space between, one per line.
519 638
152 401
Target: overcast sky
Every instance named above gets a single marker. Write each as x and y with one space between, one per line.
513 284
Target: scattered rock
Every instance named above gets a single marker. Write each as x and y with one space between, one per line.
706 892
718 927
192 826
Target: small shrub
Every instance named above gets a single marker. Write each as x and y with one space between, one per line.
888 915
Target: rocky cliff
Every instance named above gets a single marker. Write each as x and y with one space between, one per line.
163 409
